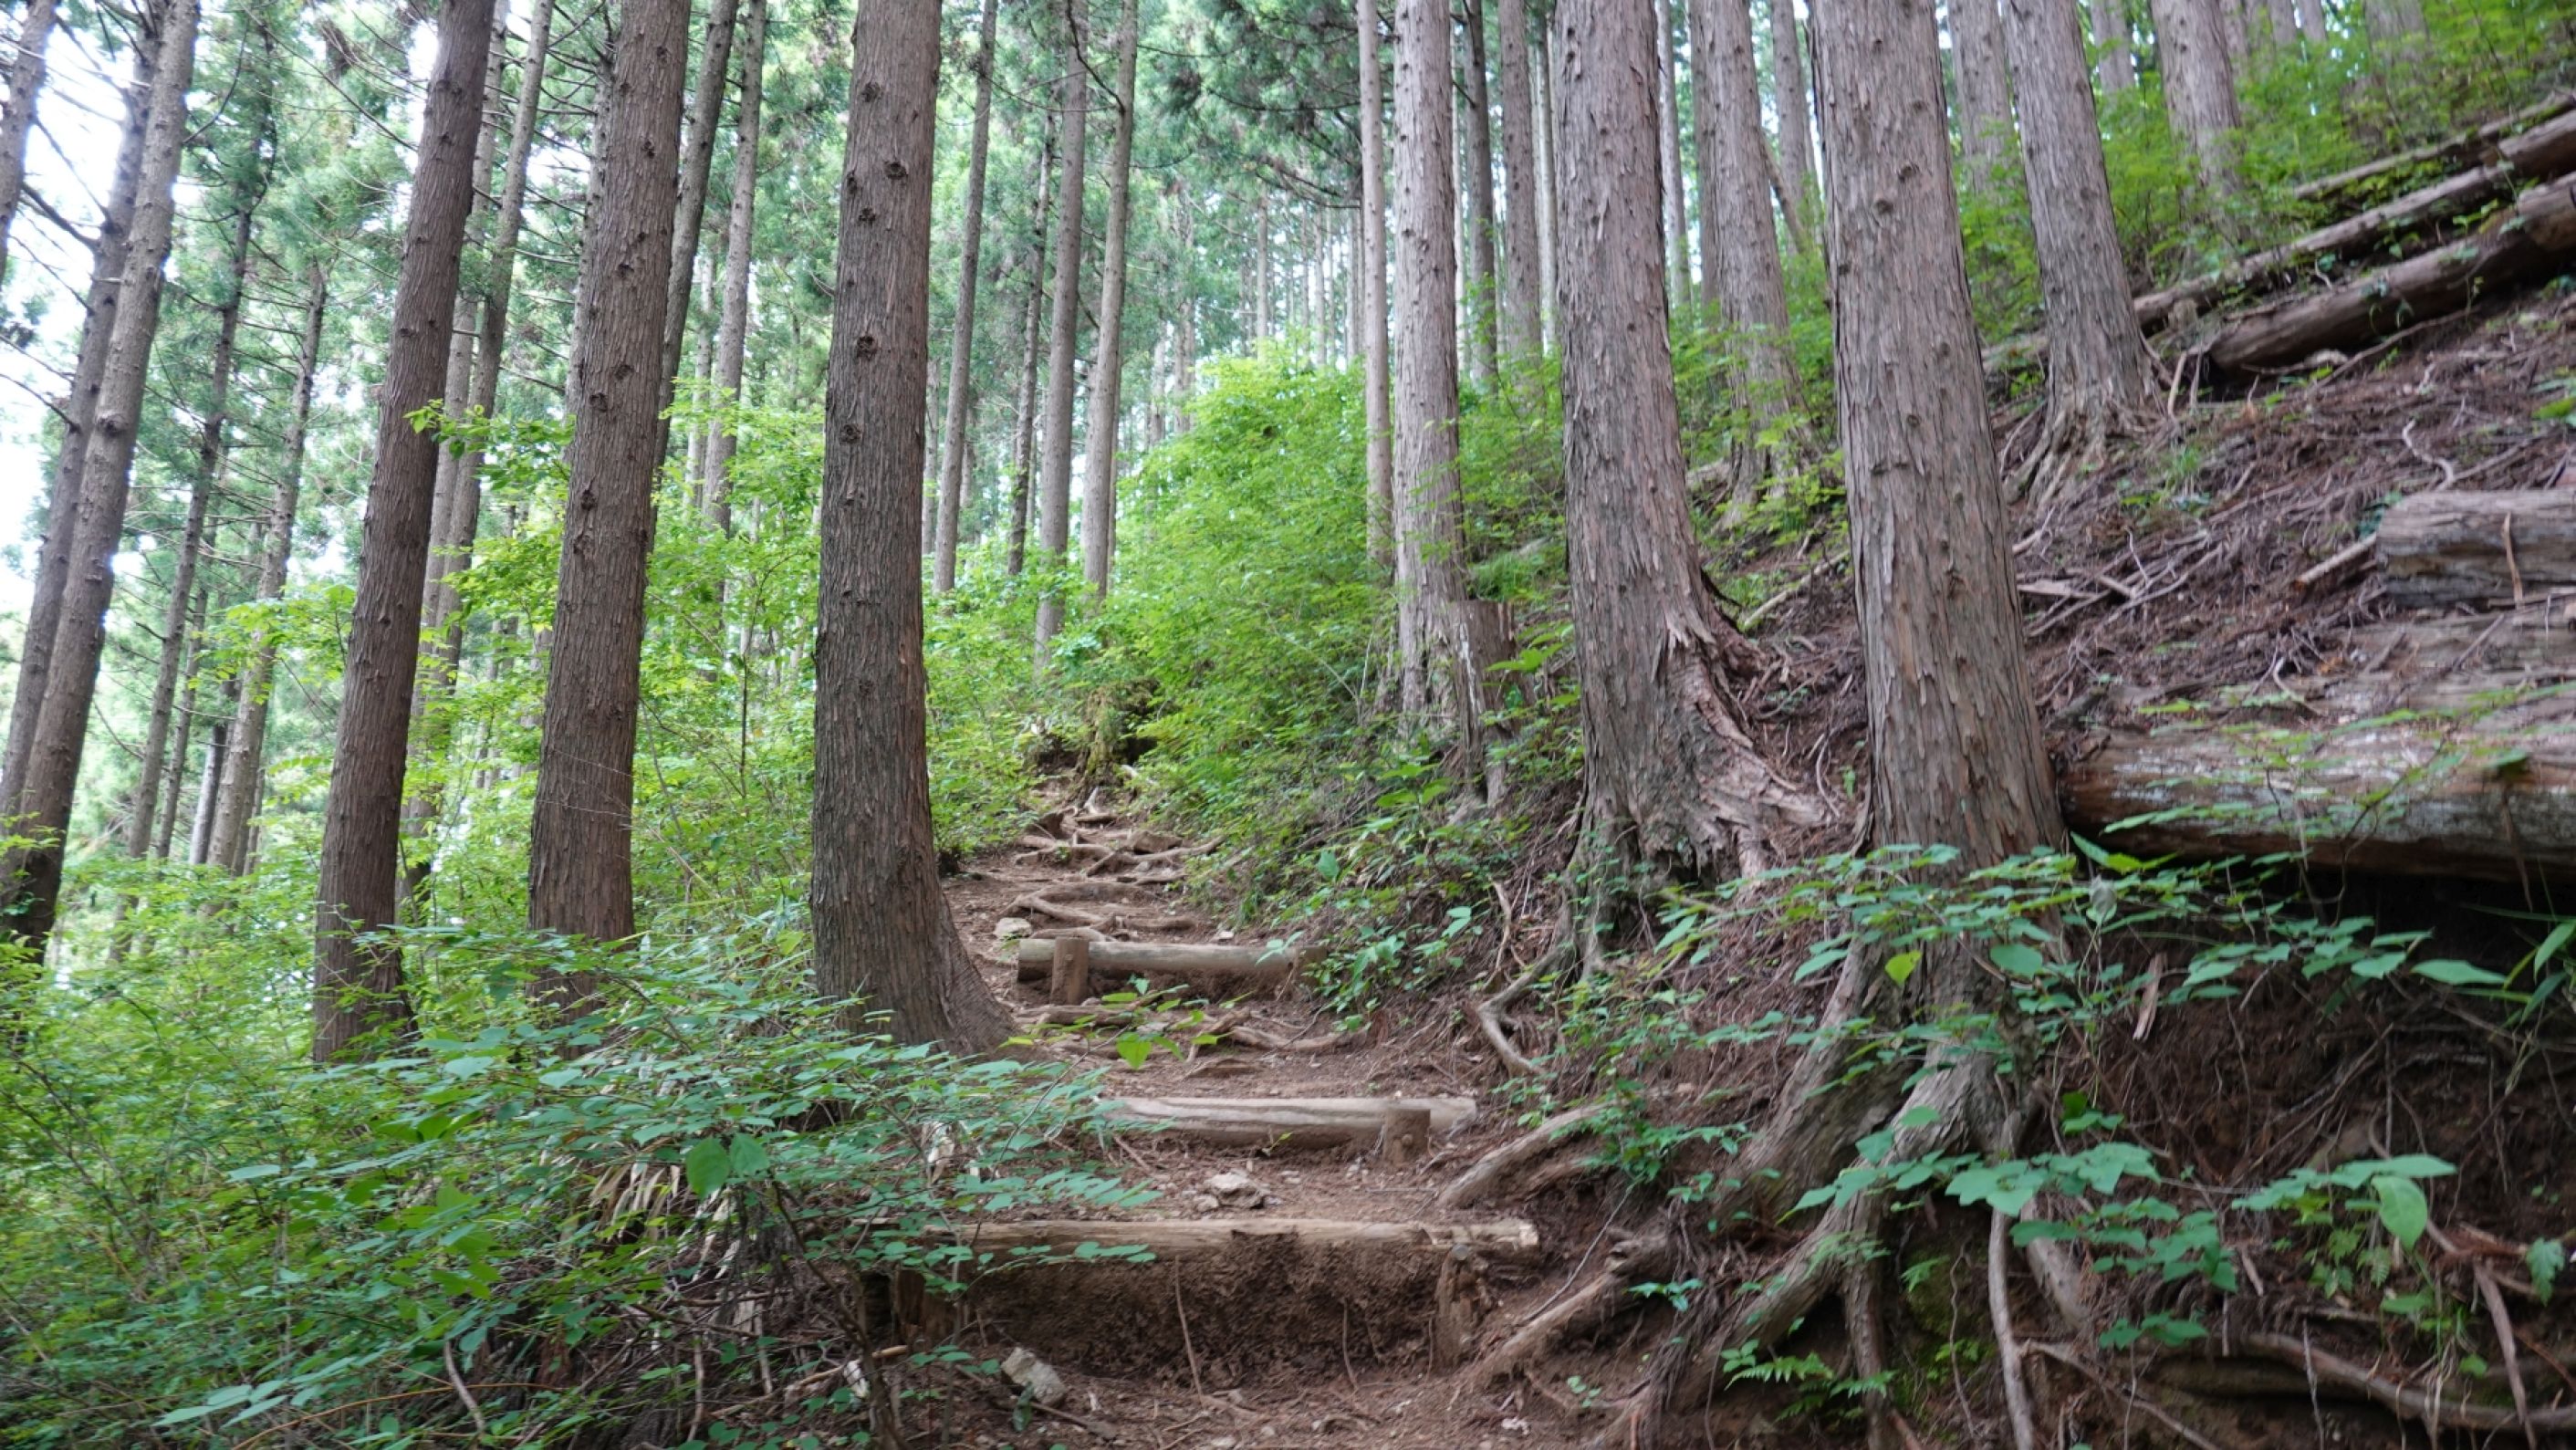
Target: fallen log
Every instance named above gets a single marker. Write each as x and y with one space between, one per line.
2527 241
2491 798
2476 145
1505 1238
1302 1123
1251 966
2440 549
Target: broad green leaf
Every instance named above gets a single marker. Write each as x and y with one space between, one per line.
2017 960
2458 974
2402 1207
750 1156
708 1165
2545 1259
1902 965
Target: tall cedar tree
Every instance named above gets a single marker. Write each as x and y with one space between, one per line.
31 870
357 984
580 844
1430 527
1374 382
1055 459
1984 109
697 159
733 326
1476 195
1668 766
1024 417
961 342
1676 199
1100 441
18 113
1520 181
883 939
2200 87
1796 121
1739 244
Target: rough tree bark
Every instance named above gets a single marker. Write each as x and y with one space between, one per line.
1430 530
239 799
1520 183
1024 460
18 112
883 939
357 986
79 413
1546 135
1055 465
2200 87
580 841
2097 359
1476 195
1374 381
1796 113
697 161
1739 245
1670 773
31 872
213 439
961 346
2113 66
1676 218
1984 111
733 323
1100 441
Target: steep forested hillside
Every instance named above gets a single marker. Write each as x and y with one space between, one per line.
1220 723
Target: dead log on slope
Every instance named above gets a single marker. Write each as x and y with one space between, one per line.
2441 549
2475 145
1504 1238
2544 153
1298 1123
2528 241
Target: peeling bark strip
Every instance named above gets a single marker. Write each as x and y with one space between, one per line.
883 939
358 988
2522 243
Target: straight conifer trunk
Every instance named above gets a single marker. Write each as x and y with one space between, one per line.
31 874
1430 530
580 844
1100 442
1546 136
2097 358
18 112
238 800
1739 245
1985 100
1024 461
733 325
357 986
1668 766
1521 331
1055 467
2200 87
961 344
79 413
1796 119
1375 384
182 722
213 439
883 939
697 150
2114 67
1476 189
1682 296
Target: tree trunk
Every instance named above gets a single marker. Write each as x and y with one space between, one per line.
201 830
1739 244
1795 111
1985 99
1100 442
961 350
580 843
212 441
2312 22
1521 332
2443 549
1955 751
79 412
2200 87
184 719
1055 468
1476 183
2113 66
1430 531
239 799
883 940
18 113
2282 18
1375 383
733 326
1668 765
1025 415
357 986
31 872
2097 361
697 151
1676 217
1260 265
1546 206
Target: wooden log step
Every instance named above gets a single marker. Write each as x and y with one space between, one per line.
1166 1239
1288 1122
1255 965
2440 549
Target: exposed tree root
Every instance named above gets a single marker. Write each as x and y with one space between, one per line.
2330 1372
1489 1020
1595 1302
2025 1431
1496 1169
